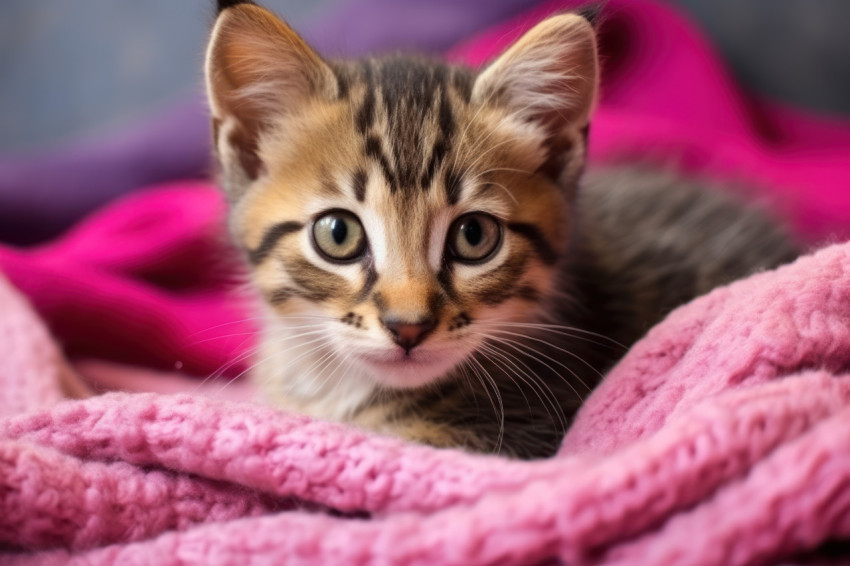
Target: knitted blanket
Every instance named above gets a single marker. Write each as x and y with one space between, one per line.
721 438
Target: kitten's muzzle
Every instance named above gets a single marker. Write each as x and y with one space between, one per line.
408 334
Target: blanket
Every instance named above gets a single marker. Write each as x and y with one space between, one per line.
719 439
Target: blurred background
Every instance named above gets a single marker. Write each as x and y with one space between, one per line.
102 97
85 67
81 67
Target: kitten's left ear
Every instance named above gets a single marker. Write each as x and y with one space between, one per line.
548 78
259 72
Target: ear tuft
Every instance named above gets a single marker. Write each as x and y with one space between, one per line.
592 13
224 4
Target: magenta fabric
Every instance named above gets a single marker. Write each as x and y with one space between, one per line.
715 441
720 438
149 280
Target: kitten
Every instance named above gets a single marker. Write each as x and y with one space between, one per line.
429 265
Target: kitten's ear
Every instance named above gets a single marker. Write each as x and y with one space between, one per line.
548 78
258 70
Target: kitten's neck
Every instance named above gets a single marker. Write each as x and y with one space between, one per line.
314 380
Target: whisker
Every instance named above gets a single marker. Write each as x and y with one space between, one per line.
525 349
564 330
280 352
317 368
323 343
261 317
558 348
501 413
508 169
550 397
481 107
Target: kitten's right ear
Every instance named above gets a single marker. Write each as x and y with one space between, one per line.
258 71
548 78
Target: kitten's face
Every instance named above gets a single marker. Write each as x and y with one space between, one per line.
402 206
412 229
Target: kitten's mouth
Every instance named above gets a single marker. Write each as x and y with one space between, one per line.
397 368
398 358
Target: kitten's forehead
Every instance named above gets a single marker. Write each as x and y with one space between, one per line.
407 115
399 228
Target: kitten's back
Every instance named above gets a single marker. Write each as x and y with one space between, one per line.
655 239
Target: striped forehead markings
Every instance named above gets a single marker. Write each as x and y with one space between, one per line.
374 149
413 93
358 184
438 154
271 238
453 182
366 113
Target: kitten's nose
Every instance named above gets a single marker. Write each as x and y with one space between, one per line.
407 334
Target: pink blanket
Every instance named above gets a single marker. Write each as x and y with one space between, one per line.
720 439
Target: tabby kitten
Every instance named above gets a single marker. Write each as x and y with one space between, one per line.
429 265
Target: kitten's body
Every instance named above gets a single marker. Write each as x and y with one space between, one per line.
367 194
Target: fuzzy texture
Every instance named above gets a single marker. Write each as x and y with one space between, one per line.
672 443
427 248
758 470
31 377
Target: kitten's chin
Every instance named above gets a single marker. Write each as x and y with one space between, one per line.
398 370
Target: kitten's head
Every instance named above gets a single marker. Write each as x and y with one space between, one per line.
408 204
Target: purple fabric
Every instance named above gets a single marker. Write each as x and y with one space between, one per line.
44 193
369 26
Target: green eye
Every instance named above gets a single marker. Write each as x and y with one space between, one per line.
475 237
339 236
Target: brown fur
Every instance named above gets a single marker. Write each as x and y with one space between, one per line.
408 145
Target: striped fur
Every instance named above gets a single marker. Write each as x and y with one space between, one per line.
410 338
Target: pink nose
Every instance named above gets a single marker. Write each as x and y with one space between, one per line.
408 335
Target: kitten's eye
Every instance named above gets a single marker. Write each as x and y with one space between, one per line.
339 236
475 237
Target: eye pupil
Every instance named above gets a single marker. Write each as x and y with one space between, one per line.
474 237
339 230
473 232
339 236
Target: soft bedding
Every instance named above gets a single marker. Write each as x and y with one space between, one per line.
721 438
